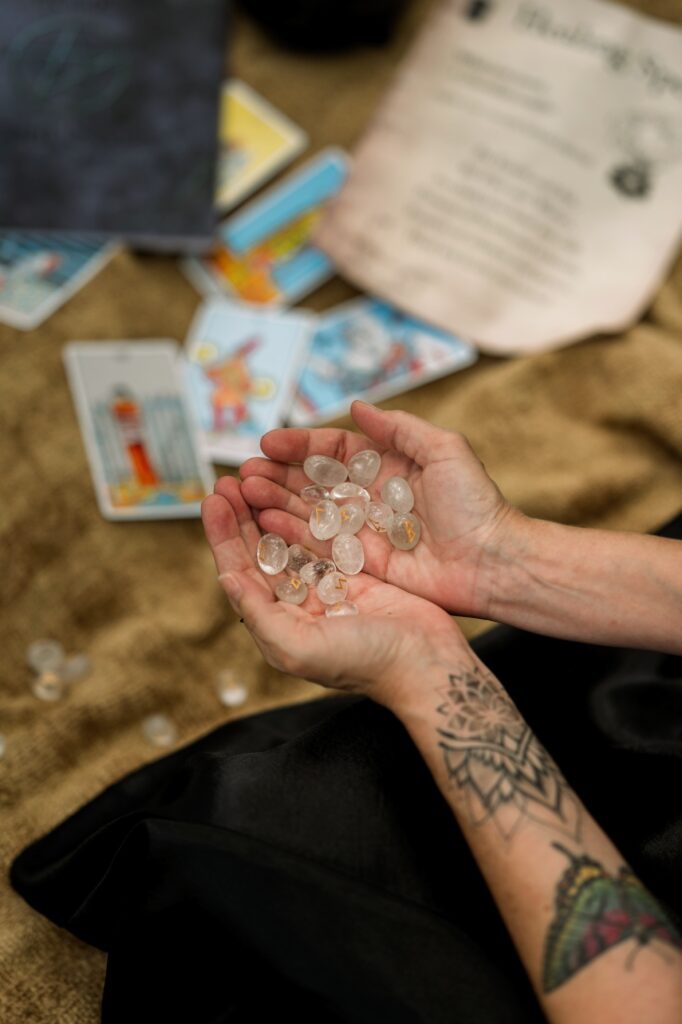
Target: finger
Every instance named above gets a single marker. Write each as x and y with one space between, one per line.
225 536
249 599
220 523
403 432
226 539
229 488
261 493
291 477
291 444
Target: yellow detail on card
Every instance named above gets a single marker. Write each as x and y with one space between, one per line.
256 141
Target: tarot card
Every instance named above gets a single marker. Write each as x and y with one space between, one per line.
241 371
256 141
38 273
263 254
368 349
137 428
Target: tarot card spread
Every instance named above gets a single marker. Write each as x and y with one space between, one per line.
137 430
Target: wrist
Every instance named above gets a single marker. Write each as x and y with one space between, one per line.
505 550
413 692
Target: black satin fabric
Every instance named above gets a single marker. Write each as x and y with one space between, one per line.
303 862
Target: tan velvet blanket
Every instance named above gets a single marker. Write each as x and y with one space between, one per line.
591 435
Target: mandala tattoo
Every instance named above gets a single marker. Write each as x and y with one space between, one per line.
595 910
504 773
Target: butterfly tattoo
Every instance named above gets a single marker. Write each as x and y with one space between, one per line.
595 911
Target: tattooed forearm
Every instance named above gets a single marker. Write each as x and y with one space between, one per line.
594 911
505 775
565 899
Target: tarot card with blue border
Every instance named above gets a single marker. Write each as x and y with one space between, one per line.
368 349
137 428
242 367
39 272
263 254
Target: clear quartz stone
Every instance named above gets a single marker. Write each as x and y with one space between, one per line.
405 531
160 730
346 490
332 588
397 493
348 553
312 573
379 516
48 686
352 516
323 470
340 608
298 557
363 467
292 591
272 553
230 691
325 520
314 493
76 667
45 655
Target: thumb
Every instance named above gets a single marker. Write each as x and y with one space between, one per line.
407 434
251 599
273 625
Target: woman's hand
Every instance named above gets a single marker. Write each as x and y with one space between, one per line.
381 652
465 519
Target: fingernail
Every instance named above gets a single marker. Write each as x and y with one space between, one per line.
231 584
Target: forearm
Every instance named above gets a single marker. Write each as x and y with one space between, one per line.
576 914
596 586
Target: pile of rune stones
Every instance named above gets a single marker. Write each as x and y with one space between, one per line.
341 505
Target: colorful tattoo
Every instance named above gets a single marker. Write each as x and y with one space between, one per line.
595 911
505 774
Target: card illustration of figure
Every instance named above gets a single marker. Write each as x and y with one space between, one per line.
39 272
241 371
263 254
137 429
367 349
256 141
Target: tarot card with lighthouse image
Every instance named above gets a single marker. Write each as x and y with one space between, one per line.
139 437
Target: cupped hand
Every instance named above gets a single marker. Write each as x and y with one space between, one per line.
464 516
381 652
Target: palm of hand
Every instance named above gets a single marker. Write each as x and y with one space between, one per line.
362 652
456 501
458 507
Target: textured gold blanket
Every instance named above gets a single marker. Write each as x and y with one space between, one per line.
591 435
